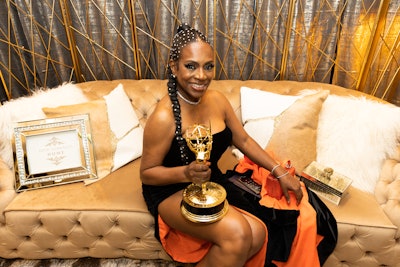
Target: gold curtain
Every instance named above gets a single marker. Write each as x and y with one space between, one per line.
351 43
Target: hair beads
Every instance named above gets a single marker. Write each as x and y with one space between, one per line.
184 36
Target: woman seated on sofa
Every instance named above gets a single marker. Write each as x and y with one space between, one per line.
168 167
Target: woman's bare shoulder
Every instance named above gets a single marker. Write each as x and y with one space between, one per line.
218 99
162 116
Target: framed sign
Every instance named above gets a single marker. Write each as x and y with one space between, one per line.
53 151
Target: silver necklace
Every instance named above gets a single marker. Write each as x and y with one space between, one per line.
187 100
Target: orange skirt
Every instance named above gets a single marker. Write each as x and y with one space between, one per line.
187 249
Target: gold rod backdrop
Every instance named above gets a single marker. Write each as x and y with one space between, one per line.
378 28
71 41
135 39
350 43
285 53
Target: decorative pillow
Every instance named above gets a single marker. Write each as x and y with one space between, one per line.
116 133
355 136
295 131
259 109
285 125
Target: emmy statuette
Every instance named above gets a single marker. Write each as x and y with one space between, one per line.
206 202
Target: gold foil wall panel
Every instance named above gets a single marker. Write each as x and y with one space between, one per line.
351 43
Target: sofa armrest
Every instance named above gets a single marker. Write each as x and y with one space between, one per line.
387 190
7 191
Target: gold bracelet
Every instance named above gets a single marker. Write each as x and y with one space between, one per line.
280 176
274 168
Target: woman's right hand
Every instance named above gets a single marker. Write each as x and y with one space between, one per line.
198 173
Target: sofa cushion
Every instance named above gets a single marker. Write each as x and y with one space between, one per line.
116 132
387 191
119 191
106 219
366 235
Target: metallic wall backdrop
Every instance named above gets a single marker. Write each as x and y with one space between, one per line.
352 43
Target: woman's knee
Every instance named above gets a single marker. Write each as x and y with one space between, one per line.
259 233
238 237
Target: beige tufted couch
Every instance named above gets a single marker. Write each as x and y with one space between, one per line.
109 218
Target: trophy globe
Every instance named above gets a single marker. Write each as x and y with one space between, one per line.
205 202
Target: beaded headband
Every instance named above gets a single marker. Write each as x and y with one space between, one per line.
184 35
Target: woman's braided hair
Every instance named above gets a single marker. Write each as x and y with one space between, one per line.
184 36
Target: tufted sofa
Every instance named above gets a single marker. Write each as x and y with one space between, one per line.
109 218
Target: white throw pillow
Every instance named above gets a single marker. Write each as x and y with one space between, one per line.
125 126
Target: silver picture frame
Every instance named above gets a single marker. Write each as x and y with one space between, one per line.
53 151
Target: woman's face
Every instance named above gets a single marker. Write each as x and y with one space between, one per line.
194 70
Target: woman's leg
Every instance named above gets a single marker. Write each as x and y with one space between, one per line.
235 238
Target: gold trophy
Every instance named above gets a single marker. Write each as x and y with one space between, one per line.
206 202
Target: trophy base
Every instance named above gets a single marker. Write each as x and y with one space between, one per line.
204 204
204 218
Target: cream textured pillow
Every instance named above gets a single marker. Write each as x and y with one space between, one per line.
295 131
116 132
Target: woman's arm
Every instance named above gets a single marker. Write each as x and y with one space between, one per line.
258 155
158 135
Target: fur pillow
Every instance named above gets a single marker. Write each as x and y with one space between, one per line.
116 132
355 136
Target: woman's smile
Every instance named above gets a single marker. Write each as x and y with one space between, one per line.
199 87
